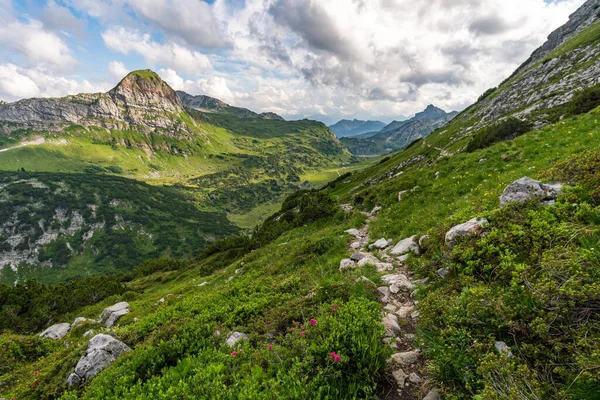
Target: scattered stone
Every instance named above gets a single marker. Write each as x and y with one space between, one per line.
202 284
407 358
482 160
424 241
375 210
347 207
347 263
353 232
414 378
78 320
88 333
414 315
405 311
432 395
161 301
355 245
364 279
400 377
472 227
101 351
385 291
399 280
405 246
384 267
527 188
390 307
235 337
57 331
400 194
402 259
390 323
111 314
503 349
437 175
369 260
357 256
394 289
381 244
443 272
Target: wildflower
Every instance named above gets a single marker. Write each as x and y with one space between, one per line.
332 354
270 347
337 358
297 323
234 353
36 372
301 333
313 322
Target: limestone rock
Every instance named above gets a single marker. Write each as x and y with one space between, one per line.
78 320
414 378
390 323
527 188
381 244
235 337
353 232
503 349
369 260
407 358
400 280
347 263
443 272
432 395
405 246
111 314
357 256
88 333
405 311
57 331
102 350
384 267
472 227
400 377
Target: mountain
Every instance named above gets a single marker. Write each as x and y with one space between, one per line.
345 128
399 134
231 165
459 289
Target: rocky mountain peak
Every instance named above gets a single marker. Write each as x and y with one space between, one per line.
431 112
144 88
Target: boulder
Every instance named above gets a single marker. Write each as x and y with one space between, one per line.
385 291
102 350
400 377
369 260
353 232
503 349
347 263
78 320
111 314
375 210
407 358
57 331
472 227
390 323
235 337
88 333
527 188
399 280
381 244
405 246
414 378
357 256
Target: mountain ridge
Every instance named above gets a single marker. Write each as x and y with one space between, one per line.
348 128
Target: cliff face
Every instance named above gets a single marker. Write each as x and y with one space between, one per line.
141 99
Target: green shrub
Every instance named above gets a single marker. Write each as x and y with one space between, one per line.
584 100
506 129
486 94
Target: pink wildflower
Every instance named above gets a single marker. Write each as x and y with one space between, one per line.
297 323
337 358
270 347
36 372
234 353
301 333
332 354
313 322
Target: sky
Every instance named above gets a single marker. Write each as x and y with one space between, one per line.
319 59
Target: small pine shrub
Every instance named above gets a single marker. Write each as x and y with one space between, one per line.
584 100
507 129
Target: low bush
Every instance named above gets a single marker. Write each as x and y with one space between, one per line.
507 129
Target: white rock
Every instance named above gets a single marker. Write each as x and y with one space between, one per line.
432 395
383 267
347 263
375 210
203 284
78 320
235 337
369 260
355 245
102 350
472 227
353 232
400 377
405 246
527 188
380 244
414 378
88 333
443 272
111 314
390 323
503 349
404 312
56 332
407 358
400 280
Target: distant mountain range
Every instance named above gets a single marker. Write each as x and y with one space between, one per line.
346 127
398 134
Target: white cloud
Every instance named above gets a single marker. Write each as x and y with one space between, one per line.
17 83
117 69
214 86
60 19
36 45
169 54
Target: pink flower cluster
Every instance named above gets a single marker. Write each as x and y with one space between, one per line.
335 357
335 306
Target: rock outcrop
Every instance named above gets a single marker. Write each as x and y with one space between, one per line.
235 338
527 188
57 331
112 314
407 245
102 350
472 227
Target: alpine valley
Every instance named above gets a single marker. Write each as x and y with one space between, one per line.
465 264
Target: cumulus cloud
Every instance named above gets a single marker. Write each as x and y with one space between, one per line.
215 86
60 19
117 69
35 45
171 54
17 83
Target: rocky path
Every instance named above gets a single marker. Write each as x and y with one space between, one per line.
405 375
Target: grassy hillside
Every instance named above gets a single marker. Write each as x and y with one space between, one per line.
262 286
